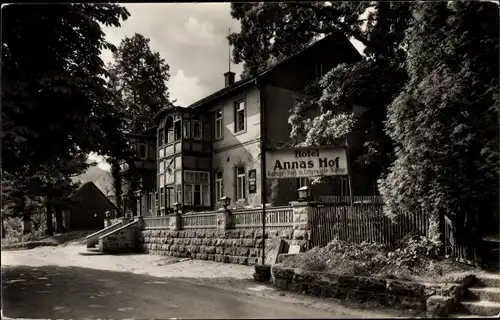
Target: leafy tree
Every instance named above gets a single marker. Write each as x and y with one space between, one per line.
445 121
281 29
55 102
139 78
428 68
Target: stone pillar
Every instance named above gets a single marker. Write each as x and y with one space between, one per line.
225 220
302 224
140 223
174 222
107 222
125 220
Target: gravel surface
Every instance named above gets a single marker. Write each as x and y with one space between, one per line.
142 283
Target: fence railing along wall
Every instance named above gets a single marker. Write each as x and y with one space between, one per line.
276 218
199 221
158 222
362 222
347 199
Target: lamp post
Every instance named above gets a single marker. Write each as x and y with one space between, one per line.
139 194
226 201
304 194
177 207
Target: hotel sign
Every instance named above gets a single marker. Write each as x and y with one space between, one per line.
306 162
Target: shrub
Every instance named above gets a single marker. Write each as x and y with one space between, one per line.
415 256
14 229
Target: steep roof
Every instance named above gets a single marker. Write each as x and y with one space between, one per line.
247 82
102 179
92 185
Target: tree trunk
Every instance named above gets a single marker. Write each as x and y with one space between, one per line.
26 217
117 184
59 220
3 227
49 229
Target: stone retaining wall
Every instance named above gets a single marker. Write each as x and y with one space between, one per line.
386 292
233 246
121 240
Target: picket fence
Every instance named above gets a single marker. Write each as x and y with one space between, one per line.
362 222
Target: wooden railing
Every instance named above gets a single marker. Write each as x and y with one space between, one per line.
347 199
159 222
199 221
277 217
363 222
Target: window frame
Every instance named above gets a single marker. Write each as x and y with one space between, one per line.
219 186
189 188
149 203
186 129
318 70
197 122
161 137
236 113
177 132
144 148
169 175
162 200
218 124
178 185
240 190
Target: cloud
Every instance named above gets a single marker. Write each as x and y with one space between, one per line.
191 37
194 33
186 89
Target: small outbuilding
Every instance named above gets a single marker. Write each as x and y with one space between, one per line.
88 210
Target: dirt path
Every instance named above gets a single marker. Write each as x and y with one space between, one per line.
149 285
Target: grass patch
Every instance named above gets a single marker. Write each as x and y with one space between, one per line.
22 238
33 240
416 259
28 245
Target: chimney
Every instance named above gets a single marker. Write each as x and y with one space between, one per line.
229 78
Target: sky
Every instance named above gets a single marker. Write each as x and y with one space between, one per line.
191 37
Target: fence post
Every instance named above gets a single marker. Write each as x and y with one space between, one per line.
225 220
302 224
174 221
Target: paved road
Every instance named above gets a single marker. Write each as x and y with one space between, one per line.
50 292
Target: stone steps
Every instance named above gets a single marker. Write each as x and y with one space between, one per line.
463 315
482 299
488 280
483 293
480 308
